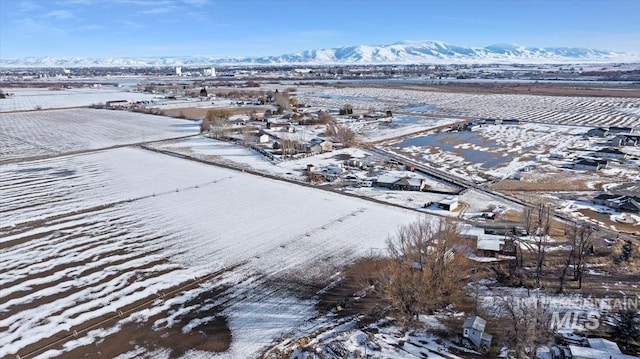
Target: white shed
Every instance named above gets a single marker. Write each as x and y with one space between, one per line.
264 138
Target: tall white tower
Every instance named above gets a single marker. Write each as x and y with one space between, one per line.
179 70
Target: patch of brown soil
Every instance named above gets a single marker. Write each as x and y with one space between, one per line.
546 89
211 335
199 113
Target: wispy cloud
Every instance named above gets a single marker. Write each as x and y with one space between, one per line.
58 14
196 2
92 27
198 15
27 6
29 27
76 2
131 24
149 3
157 10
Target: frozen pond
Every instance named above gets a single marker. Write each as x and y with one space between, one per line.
424 108
406 120
451 141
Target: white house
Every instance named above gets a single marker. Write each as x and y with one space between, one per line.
264 138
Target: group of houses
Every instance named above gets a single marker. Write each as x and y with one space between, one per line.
618 202
622 136
295 147
599 159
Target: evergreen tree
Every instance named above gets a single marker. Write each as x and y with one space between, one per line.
626 325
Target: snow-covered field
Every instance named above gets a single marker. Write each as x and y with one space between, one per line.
29 134
84 237
379 130
591 111
28 99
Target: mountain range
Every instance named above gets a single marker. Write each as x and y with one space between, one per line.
424 52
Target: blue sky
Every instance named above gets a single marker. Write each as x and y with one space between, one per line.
118 28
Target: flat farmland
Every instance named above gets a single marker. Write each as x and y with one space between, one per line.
98 250
29 99
562 110
45 133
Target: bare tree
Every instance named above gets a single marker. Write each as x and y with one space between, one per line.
282 100
345 135
580 235
426 267
247 135
529 321
582 241
218 117
216 121
565 267
325 118
538 223
205 125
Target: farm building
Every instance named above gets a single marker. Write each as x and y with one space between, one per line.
401 183
611 153
409 184
449 204
604 198
488 245
619 202
116 104
386 181
598 132
618 129
590 164
264 138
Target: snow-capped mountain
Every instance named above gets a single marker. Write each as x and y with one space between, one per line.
426 52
